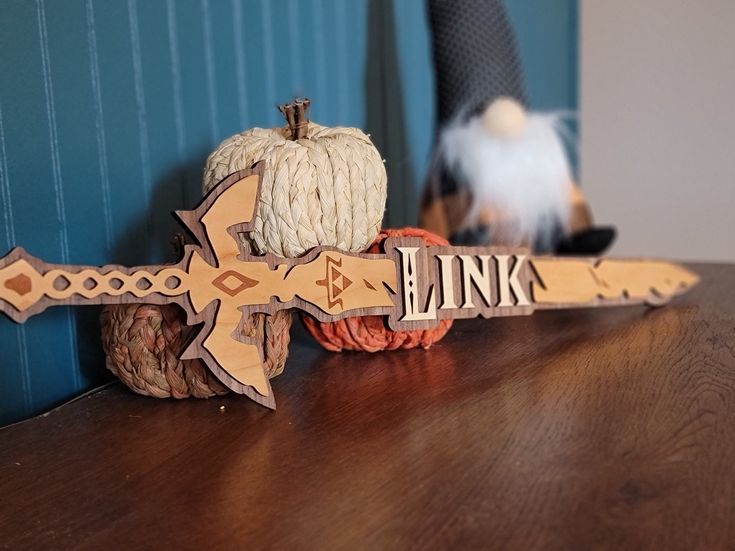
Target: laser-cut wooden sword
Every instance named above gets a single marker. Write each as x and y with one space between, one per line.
218 283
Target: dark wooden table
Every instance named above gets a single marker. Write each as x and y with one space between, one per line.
612 428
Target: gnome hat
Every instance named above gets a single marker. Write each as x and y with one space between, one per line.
475 56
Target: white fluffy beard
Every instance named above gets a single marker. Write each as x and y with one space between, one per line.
523 181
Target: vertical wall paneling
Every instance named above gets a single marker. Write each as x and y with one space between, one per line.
59 194
175 78
341 78
224 64
109 108
240 68
210 78
547 37
100 131
318 62
34 192
292 27
141 111
416 81
547 40
15 393
269 61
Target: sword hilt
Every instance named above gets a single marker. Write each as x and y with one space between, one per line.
28 285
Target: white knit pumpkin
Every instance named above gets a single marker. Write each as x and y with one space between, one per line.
327 188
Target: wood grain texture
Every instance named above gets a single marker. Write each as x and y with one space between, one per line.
608 428
218 282
591 282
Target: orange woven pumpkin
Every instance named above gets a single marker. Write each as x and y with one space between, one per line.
371 333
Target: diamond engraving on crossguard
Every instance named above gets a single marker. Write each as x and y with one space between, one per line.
232 282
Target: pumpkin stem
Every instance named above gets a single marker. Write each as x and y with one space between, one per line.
297 117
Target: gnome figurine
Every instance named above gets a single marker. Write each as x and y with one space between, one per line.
499 173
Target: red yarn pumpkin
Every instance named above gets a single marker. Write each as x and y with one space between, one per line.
371 333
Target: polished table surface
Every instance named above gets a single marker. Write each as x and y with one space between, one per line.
610 428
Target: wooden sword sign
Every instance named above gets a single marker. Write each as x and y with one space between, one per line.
218 283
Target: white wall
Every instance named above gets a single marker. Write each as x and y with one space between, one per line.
657 110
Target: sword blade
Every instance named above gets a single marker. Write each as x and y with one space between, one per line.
589 282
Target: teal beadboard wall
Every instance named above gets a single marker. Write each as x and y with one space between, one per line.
108 109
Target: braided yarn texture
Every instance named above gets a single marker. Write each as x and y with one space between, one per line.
370 333
143 343
328 188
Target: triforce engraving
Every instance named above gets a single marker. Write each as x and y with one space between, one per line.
336 282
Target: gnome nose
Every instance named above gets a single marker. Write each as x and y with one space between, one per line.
505 118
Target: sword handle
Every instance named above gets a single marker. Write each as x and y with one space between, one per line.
28 285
